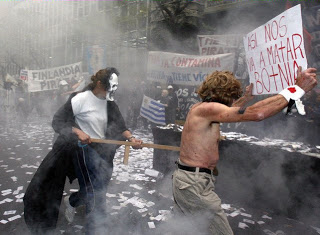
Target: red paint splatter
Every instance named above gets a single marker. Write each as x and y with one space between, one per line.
292 89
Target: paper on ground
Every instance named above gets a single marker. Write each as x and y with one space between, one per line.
9 212
151 225
248 221
234 214
14 217
243 225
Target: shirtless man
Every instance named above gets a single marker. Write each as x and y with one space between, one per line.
193 180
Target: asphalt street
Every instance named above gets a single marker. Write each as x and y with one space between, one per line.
137 202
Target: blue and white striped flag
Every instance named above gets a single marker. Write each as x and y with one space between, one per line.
153 111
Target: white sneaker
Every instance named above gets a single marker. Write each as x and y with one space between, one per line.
70 211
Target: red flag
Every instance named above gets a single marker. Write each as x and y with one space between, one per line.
306 35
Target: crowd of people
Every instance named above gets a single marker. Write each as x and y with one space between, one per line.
40 103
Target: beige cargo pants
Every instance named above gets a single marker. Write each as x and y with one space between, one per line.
195 198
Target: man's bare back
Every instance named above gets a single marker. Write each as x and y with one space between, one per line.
200 140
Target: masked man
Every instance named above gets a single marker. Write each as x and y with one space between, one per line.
88 114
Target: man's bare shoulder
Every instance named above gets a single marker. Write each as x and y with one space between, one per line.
208 107
205 112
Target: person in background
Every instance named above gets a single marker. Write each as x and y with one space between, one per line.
63 92
172 107
164 99
157 92
21 101
195 175
37 100
89 114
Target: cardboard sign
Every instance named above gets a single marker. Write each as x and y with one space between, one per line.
274 51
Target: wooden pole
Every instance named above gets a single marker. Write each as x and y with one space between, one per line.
126 154
128 144
147 145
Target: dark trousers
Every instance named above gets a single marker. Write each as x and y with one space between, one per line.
94 172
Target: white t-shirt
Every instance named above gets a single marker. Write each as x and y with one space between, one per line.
90 114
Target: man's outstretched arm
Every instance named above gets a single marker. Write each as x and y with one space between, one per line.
263 109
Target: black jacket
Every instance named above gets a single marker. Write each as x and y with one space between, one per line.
44 193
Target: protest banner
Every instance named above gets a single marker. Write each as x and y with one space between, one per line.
48 79
182 69
221 44
274 51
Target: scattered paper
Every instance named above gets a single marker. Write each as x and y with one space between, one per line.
226 206
151 191
5 194
234 214
14 217
149 204
152 172
7 190
21 195
14 178
9 212
18 190
245 214
158 217
6 200
135 186
151 225
243 225
248 221
142 210
266 217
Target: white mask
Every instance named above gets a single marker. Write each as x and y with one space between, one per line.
113 87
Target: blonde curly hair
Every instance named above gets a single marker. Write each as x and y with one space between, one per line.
221 87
